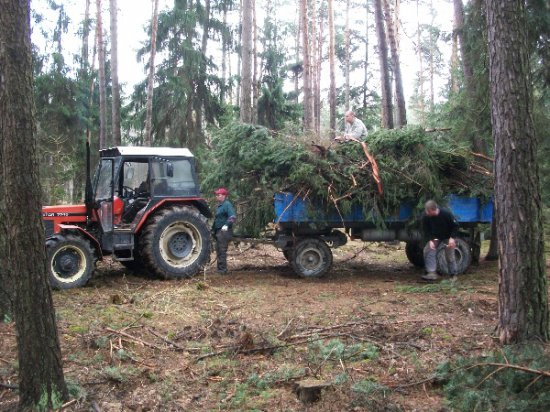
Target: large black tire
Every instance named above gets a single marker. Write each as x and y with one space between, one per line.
176 243
70 261
311 258
463 256
415 253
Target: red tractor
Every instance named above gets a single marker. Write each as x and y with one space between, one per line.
143 207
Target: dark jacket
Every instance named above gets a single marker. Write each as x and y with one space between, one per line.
442 227
225 215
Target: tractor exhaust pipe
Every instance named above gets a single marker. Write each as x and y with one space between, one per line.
88 195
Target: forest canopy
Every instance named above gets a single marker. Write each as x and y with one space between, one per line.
414 165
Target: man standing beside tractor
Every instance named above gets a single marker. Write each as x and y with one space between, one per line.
222 227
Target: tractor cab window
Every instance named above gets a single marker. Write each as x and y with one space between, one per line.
173 177
104 180
135 179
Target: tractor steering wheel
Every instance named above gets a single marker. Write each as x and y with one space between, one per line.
128 192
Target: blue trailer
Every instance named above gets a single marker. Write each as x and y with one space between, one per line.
306 233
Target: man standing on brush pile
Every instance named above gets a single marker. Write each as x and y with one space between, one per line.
222 228
440 227
355 128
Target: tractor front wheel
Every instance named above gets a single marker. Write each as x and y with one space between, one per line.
70 261
176 243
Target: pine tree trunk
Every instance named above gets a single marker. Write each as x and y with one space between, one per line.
401 111
307 99
458 32
200 109
297 49
255 77
102 83
316 39
85 42
39 353
387 109
246 57
523 291
224 57
148 139
366 67
348 58
332 70
431 61
421 94
115 104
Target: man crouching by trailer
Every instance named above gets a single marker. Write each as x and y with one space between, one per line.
440 229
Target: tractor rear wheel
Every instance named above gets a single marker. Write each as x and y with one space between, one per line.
176 243
70 261
311 258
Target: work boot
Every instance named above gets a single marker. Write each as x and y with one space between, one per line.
430 276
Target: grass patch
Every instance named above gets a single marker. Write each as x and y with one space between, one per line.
445 286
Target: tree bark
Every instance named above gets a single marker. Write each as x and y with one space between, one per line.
332 70
317 47
366 67
523 292
348 58
458 32
85 42
421 94
115 104
23 253
255 75
224 56
148 140
401 111
246 56
387 109
308 93
102 83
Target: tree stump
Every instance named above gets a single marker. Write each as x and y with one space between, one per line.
309 390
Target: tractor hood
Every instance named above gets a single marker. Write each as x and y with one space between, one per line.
64 211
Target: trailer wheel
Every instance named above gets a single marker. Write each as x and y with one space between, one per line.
463 256
415 253
311 258
70 261
176 243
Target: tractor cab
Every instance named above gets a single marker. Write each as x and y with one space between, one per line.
130 180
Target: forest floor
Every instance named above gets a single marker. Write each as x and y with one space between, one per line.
370 332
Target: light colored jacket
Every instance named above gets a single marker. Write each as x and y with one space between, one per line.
356 129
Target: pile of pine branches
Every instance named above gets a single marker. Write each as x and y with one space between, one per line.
414 165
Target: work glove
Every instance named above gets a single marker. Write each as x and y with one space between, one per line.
225 228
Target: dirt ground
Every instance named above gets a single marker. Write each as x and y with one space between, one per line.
370 333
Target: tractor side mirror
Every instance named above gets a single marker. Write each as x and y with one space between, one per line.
170 169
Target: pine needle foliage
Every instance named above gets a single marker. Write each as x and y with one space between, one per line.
480 384
414 165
